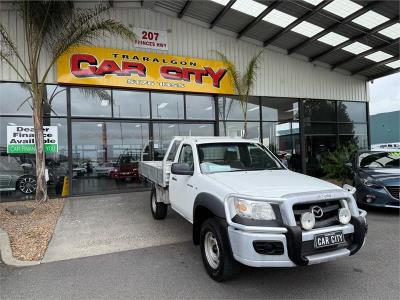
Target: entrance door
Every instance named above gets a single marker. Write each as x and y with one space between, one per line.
181 186
106 154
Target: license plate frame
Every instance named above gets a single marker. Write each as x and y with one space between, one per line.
328 239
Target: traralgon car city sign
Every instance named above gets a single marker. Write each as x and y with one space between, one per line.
133 69
21 139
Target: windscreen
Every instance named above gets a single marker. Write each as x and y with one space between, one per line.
233 157
378 160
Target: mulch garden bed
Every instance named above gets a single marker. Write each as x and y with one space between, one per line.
30 233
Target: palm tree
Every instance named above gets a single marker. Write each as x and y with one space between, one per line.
54 26
242 83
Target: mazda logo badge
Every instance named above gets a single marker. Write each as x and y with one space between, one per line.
317 212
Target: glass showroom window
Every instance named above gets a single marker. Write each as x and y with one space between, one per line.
164 132
167 106
131 104
231 109
90 102
355 134
24 165
200 107
320 138
15 99
56 104
352 111
279 109
236 129
106 155
319 111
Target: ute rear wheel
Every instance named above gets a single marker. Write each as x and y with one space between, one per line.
215 251
158 209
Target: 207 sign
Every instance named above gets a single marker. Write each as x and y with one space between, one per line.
151 39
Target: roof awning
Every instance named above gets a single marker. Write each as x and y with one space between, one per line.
361 37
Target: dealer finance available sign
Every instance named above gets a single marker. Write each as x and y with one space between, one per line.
21 139
142 70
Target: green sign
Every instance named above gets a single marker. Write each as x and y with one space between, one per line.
31 148
21 139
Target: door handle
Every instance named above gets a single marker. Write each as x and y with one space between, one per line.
174 179
189 185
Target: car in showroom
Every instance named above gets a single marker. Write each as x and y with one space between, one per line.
376 176
125 168
14 176
103 169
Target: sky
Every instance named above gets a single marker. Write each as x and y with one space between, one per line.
385 94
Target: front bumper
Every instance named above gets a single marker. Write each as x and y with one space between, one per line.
294 240
376 197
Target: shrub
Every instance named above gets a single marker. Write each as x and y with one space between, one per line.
333 164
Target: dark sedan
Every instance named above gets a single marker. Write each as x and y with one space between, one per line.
376 175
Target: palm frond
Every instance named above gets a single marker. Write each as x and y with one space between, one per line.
250 74
87 27
230 66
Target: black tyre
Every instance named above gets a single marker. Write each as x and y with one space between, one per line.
215 251
158 209
27 184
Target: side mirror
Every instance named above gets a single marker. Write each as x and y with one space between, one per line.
181 169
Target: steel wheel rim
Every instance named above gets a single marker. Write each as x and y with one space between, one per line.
153 203
211 250
27 185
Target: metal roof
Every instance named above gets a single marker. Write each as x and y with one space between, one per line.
361 37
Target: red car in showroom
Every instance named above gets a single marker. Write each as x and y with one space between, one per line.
126 167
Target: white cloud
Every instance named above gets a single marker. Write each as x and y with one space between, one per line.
385 94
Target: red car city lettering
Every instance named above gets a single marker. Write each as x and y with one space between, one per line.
127 68
107 66
177 73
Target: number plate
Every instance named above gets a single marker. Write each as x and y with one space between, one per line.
328 239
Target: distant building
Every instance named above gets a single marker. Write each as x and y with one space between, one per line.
385 128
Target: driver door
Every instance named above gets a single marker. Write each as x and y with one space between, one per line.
181 188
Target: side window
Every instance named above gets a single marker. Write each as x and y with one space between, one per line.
186 156
173 150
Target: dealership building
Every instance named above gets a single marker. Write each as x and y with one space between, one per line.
117 102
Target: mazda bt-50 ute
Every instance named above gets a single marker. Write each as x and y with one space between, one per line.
247 207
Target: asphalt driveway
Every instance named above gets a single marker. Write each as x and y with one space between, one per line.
99 224
176 271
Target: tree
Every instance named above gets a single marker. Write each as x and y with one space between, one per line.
53 27
242 83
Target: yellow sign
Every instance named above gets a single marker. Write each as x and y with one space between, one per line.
142 70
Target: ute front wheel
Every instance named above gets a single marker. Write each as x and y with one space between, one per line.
158 209
215 251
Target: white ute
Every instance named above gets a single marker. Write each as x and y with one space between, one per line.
247 208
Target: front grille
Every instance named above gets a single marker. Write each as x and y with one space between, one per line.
394 191
329 208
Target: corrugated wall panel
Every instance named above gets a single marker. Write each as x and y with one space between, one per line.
279 75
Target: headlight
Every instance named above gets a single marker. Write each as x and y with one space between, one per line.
255 210
369 182
344 216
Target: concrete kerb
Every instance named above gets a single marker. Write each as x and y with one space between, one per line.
6 253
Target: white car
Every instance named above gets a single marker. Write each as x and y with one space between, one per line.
246 207
103 169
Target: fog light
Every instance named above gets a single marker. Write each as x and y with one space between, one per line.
307 220
344 215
